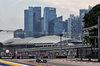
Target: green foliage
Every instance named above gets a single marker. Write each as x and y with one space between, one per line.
91 19
87 40
1 46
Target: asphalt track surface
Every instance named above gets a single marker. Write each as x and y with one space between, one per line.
71 63
74 63
12 63
51 62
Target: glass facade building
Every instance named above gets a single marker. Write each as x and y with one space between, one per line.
26 23
74 24
42 24
58 25
82 14
32 19
49 14
55 26
75 27
65 26
18 33
37 21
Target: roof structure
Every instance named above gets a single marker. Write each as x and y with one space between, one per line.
41 40
48 39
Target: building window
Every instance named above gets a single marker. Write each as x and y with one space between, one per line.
49 45
45 45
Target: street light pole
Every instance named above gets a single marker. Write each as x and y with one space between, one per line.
98 38
82 44
95 46
14 53
61 43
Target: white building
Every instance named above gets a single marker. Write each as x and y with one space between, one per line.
43 45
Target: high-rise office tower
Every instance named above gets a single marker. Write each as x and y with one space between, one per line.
26 23
42 24
55 26
58 25
82 14
69 24
74 26
49 14
32 18
37 21
65 26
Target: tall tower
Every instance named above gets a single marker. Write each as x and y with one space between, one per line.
74 26
32 21
89 8
26 23
82 14
65 26
37 21
55 26
58 25
49 14
70 20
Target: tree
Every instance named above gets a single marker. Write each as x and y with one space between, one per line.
1 46
91 19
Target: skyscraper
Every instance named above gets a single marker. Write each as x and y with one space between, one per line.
82 14
49 14
69 24
42 24
74 26
58 25
55 26
65 26
30 21
37 21
32 18
26 23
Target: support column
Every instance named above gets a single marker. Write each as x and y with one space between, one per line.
98 39
77 53
86 51
61 43
95 46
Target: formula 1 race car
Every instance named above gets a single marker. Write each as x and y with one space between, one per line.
41 60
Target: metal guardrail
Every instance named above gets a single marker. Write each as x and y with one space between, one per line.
90 28
51 48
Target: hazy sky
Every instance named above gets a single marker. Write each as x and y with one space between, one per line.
12 11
